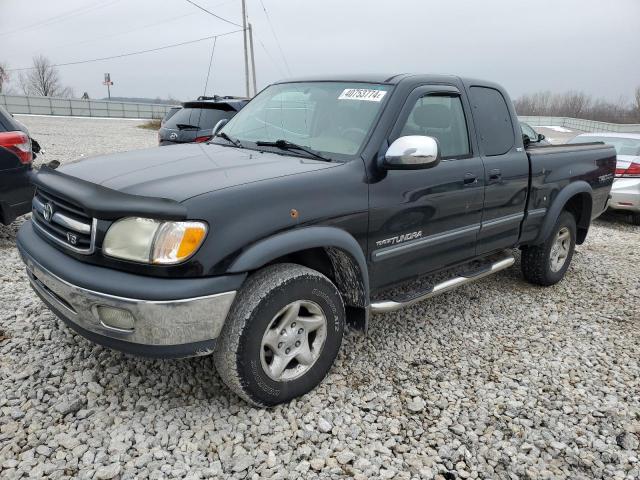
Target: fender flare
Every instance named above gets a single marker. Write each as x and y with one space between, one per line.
574 188
291 241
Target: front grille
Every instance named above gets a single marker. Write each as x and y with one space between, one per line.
63 222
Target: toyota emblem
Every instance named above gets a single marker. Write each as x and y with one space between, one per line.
173 136
47 213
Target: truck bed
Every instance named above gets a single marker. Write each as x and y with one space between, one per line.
553 167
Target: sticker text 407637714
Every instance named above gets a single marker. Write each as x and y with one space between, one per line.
366 94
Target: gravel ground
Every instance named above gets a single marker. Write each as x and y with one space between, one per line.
67 139
499 379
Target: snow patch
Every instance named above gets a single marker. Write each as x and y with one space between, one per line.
555 128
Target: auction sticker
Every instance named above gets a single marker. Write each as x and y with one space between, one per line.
366 94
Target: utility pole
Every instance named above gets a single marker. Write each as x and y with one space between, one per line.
253 60
246 55
108 83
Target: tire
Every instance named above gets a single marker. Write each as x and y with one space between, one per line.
635 218
251 350
537 262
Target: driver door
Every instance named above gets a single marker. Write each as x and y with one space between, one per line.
427 219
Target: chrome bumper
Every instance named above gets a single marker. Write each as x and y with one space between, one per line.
156 323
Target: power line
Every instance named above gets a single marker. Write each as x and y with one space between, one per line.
130 53
137 29
283 73
211 13
60 18
284 58
213 49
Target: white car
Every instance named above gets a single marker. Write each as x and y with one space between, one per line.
625 193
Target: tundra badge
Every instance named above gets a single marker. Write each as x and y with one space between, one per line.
399 238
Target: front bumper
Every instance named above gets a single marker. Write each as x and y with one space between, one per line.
172 328
625 194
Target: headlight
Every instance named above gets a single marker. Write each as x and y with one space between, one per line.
153 241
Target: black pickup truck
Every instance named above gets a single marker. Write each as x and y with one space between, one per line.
299 217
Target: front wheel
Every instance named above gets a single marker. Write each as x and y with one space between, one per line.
282 334
546 264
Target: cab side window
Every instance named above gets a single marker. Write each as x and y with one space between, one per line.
493 120
441 117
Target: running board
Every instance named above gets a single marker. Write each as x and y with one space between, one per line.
392 305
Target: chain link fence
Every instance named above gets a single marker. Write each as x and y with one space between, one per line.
81 108
581 124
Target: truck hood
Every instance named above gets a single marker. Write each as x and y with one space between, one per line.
179 172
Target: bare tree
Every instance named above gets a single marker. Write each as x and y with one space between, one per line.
535 104
43 80
573 104
4 75
579 105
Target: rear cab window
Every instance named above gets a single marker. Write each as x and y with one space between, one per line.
493 120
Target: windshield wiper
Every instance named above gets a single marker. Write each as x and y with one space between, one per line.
286 145
185 126
234 141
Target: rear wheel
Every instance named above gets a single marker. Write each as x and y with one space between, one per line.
547 263
635 218
282 334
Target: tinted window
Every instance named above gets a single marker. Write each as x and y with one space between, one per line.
203 118
171 112
5 120
493 120
441 118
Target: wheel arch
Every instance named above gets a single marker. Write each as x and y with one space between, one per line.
577 198
329 250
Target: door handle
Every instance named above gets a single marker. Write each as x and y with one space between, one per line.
470 179
495 175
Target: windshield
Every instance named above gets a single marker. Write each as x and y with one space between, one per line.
328 117
203 118
528 131
623 146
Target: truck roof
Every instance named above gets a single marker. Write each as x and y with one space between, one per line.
390 78
398 78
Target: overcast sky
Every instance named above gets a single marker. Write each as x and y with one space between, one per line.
558 45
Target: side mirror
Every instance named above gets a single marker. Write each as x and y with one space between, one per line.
412 152
219 125
541 137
